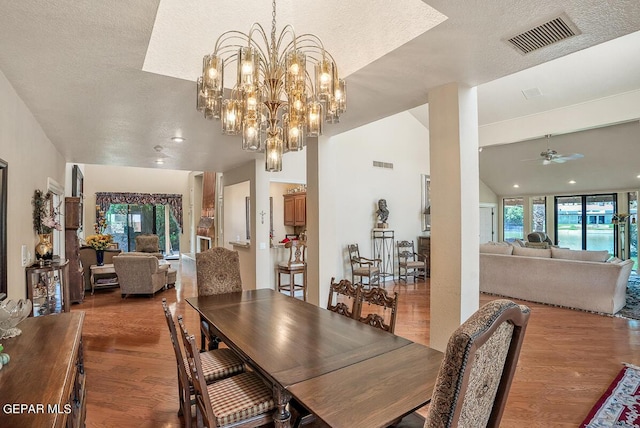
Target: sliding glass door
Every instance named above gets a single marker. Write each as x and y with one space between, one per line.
584 222
126 221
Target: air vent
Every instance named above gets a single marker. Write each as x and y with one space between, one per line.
379 164
543 35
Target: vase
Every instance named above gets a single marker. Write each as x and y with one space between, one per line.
44 248
100 257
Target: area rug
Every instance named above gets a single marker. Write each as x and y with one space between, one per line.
632 307
619 406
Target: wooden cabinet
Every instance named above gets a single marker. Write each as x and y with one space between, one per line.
73 214
48 288
295 209
424 247
46 369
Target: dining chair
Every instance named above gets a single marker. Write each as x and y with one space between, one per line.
363 267
412 263
341 292
384 312
217 364
478 367
295 265
217 272
243 400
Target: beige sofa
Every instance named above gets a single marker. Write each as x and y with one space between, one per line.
140 274
575 279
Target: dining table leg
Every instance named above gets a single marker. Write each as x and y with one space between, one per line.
281 417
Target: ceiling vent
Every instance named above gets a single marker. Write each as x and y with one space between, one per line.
544 34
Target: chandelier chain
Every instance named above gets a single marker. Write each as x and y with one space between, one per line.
273 25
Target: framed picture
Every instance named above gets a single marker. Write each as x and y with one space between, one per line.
426 202
77 182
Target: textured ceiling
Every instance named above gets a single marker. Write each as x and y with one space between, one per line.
79 66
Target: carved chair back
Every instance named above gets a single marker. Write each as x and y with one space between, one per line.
384 312
346 297
218 271
478 367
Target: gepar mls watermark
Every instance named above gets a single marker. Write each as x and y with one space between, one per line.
24 408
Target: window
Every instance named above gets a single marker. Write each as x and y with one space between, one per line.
513 224
539 214
633 228
583 222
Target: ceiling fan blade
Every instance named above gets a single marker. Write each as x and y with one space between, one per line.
558 160
572 156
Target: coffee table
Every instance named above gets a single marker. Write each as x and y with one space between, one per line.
107 281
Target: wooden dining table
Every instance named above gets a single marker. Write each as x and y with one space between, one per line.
346 373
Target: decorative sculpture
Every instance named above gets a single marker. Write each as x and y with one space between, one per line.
383 213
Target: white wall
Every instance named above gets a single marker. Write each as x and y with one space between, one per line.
31 159
487 195
100 178
357 187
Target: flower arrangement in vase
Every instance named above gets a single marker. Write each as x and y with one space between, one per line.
45 221
101 240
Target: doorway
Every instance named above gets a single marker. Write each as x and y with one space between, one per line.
487 223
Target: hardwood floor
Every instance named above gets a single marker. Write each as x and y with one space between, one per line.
567 361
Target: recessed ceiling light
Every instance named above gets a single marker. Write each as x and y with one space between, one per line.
638 176
160 161
178 139
572 181
516 186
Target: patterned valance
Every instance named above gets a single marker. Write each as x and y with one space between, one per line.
173 201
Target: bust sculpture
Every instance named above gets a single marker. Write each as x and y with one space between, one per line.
383 212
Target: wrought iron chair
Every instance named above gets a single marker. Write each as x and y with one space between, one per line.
296 265
217 272
243 400
363 267
478 367
412 263
217 364
384 312
341 291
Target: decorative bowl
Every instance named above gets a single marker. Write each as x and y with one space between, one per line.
11 314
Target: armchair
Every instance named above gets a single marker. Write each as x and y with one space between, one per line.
410 262
140 274
149 243
363 267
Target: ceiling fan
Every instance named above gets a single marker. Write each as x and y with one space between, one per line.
550 156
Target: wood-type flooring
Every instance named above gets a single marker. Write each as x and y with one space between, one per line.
568 358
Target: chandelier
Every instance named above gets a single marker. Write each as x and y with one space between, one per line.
275 103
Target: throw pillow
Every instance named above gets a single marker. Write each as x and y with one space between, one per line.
614 260
496 249
581 255
532 252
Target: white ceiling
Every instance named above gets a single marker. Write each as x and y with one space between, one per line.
110 80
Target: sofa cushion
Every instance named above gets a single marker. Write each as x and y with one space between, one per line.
542 245
532 252
496 249
582 255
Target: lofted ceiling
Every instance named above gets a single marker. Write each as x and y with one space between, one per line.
108 81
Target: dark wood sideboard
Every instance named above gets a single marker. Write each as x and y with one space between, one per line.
46 373
424 247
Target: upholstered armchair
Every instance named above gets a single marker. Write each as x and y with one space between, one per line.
149 243
140 274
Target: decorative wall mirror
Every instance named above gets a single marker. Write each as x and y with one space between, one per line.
426 202
4 172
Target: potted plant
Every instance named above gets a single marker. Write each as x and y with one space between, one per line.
44 222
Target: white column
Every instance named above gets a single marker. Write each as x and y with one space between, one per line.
453 137
323 248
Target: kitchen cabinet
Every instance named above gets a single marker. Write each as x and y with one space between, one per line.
295 209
